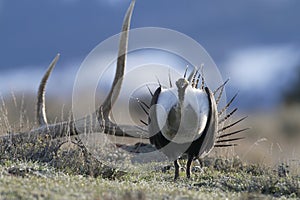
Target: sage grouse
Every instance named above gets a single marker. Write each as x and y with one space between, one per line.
184 119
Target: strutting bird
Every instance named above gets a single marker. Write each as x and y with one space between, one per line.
181 119
184 119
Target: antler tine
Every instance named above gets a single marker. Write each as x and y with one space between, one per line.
41 108
60 129
121 62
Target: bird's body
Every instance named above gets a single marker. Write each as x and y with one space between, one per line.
183 120
187 116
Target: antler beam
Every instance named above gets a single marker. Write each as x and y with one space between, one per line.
93 123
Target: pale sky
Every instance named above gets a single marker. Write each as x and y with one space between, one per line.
254 42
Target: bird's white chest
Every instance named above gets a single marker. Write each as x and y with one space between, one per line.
182 122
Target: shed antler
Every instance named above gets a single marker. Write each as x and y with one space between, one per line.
121 62
91 123
41 108
105 109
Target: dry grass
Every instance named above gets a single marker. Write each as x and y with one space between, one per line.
264 166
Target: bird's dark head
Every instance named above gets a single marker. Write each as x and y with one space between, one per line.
181 84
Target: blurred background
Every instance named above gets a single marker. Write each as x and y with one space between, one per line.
256 43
